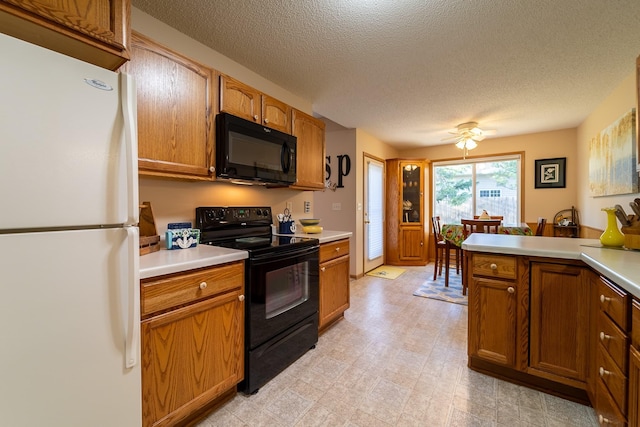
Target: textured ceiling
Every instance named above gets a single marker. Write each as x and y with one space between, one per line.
407 71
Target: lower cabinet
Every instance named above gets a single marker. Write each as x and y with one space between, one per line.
334 282
634 367
192 342
528 321
559 319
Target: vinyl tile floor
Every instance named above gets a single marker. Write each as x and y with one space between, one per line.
395 360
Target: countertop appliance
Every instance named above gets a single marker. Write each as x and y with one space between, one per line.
69 294
252 153
281 288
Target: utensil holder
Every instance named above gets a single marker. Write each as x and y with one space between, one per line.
286 227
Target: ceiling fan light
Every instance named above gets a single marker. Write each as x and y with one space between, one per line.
470 144
460 144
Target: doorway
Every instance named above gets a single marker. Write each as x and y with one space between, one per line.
373 212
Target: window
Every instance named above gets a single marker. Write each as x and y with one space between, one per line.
464 188
489 193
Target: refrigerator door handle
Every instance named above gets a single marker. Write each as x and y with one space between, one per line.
130 114
132 292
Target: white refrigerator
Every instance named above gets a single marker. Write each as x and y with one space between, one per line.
69 264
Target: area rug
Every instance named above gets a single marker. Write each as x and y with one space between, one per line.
437 290
386 272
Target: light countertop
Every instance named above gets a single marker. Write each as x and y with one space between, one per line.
620 265
177 260
324 237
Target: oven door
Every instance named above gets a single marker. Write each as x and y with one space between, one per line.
282 290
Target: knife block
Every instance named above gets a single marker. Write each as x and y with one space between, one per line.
149 237
632 233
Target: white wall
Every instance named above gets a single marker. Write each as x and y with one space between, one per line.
619 102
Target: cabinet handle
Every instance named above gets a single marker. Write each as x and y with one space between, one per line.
240 297
266 121
494 266
203 285
255 117
323 269
511 289
604 372
604 299
604 336
338 249
603 420
212 169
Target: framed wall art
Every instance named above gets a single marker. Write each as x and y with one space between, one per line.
551 173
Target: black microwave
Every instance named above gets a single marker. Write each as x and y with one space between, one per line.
248 151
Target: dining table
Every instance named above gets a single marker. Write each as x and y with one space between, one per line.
453 234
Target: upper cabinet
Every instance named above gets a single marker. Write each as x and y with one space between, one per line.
244 101
92 31
638 113
175 112
311 151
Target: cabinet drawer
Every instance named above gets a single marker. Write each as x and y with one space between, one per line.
497 266
606 411
635 320
613 340
333 250
613 378
176 290
614 302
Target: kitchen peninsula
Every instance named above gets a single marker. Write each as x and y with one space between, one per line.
557 314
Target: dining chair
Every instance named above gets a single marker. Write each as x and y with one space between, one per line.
442 250
480 226
470 226
542 222
500 217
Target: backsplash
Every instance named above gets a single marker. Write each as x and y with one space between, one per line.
176 201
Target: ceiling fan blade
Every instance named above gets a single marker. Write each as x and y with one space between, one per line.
451 138
478 138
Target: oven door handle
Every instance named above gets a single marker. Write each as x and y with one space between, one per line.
282 255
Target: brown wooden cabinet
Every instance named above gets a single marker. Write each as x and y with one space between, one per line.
310 158
192 342
250 104
495 304
406 233
529 321
92 31
559 319
175 112
634 367
334 282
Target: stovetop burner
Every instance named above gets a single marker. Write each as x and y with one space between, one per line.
245 228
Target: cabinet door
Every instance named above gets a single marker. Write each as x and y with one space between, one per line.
240 99
634 388
412 244
493 320
175 130
190 356
334 289
311 151
92 31
559 323
412 182
276 114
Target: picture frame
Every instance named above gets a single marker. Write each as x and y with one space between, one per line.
551 173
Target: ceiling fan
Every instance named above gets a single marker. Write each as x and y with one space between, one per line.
467 135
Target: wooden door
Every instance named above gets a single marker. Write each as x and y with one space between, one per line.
276 114
175 112
311 151
190 356
493 320
559 323
334 289
240 99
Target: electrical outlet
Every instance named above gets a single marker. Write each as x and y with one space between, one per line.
307 206
336 206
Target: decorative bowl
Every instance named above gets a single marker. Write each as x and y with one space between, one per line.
309 221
